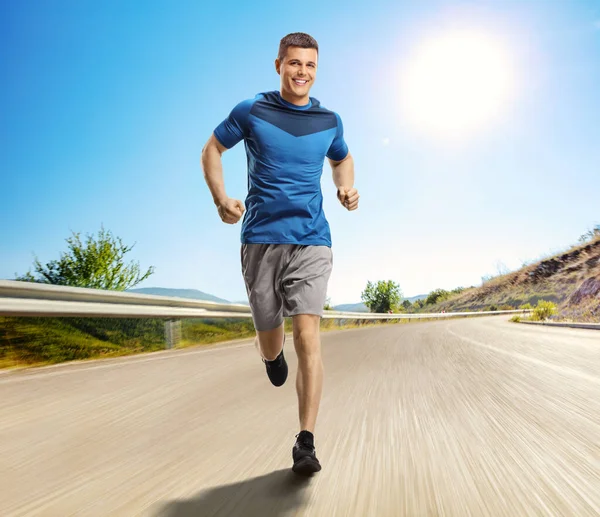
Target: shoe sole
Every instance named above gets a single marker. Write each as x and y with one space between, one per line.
306 466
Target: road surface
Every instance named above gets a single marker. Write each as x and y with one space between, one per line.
466 417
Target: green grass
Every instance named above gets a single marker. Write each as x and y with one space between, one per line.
41 341
37 341
203 332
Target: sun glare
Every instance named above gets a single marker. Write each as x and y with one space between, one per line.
456 83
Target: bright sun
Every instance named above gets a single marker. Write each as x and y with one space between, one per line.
456 83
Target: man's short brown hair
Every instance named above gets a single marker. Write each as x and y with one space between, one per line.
296 39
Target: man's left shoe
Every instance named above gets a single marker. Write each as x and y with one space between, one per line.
305 459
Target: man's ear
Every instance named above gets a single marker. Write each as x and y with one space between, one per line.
278 66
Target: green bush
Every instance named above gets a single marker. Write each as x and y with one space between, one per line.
437 296
516 318
544 310
526 306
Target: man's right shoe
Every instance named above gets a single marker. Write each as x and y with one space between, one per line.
305 459
277 369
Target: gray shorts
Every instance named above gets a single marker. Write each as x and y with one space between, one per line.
283 280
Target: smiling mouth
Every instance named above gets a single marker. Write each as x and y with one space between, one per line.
300 82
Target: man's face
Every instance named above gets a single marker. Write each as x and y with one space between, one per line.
298 71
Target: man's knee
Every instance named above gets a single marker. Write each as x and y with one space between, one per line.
306 335
271 342
306 325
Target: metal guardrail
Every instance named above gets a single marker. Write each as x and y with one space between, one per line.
568 324
33 299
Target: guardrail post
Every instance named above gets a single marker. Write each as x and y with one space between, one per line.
172 333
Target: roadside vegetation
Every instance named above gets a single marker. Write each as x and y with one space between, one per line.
561 287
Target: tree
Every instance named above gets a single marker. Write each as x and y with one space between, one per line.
406 304
97 263
384 296
327 305
439 295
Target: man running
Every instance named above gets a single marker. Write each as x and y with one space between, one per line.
286 243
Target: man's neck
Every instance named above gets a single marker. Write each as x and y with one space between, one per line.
292 99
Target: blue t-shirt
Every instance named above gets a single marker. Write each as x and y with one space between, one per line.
286 146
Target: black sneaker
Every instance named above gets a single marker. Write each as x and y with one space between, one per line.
305 460
277 369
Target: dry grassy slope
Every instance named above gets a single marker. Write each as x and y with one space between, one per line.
570 279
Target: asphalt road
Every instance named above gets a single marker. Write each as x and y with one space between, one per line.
469 417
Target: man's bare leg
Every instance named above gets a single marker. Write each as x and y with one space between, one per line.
309 379
309 385
270 342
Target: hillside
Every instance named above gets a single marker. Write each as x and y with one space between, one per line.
571 279
179 293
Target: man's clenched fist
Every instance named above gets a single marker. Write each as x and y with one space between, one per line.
231 210
348 197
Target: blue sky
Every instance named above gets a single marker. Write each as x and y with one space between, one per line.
105 108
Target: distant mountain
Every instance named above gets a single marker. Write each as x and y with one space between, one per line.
179 293
413 299
361 307
351 307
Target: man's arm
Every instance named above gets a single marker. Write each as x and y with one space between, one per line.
343 172
213 169
343 178
230 210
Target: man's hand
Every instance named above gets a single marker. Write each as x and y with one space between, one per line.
231 210
348 197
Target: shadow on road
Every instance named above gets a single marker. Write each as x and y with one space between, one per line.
272 495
